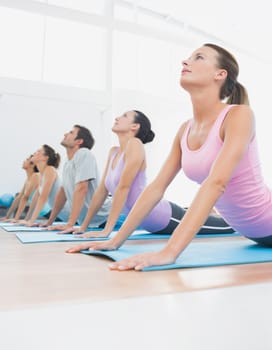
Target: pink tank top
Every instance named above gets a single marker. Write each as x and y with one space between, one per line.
246 203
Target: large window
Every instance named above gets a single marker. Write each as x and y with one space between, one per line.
75 54
151 66
48 43
21 42
91 6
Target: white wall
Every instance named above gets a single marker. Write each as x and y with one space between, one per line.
255 75
39 114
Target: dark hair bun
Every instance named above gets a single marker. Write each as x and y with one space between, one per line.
149 137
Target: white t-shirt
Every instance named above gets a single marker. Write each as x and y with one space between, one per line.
83 167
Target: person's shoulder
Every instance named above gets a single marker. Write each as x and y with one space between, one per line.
82 150
238 119
241 109
134 144
113 149
50 172
182 128
83 153
35 176
50 169
240 113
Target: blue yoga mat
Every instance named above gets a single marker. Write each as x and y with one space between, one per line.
53 236
2 223
49 236
198 254
22 228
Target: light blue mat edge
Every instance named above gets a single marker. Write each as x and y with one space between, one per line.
53 236
199 254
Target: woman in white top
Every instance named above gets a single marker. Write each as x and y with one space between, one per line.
47 161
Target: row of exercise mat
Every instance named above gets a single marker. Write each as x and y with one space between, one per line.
200 253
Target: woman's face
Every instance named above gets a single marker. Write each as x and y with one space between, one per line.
28 163
39 156
125 122
200 69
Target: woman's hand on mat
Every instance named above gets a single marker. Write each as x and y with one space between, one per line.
61 228
108 245
140 261
21 222
12 220
67 229
27 223
95 234
79 231
44 223
31 224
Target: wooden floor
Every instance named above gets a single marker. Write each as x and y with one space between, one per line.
36 274
41 283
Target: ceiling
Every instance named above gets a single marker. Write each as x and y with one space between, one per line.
244 25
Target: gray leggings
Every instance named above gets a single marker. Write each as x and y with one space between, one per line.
214 224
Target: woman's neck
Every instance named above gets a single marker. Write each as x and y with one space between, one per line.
206 109
123 140
41 166
29 172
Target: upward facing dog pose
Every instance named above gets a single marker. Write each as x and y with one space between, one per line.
125 179
217 148
30 185
80 178
47 161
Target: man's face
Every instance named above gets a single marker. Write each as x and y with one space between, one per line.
69 140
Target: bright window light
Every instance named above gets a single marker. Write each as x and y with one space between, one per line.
125 56
75 54
124 13
21 40
154 66
148 65
93 6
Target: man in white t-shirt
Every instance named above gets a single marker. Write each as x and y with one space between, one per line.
80 178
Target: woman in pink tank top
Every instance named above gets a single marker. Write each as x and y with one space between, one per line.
218 150
125 179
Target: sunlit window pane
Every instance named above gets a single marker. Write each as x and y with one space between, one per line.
124 13
161 23
125 73
21 39
154 66
75 54
148 65
92 6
